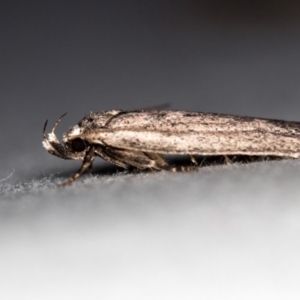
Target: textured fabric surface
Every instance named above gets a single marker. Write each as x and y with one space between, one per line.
230 231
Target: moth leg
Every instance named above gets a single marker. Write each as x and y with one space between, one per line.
108 155
87 162
184 168
125 158
227 160
137 159
160 162
193 160
90 167
176 169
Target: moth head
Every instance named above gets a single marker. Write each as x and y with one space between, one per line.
73 147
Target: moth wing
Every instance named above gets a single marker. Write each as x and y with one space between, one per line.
179 132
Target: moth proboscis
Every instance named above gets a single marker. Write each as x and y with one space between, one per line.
140 138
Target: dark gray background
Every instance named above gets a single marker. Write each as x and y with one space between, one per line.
228 231
77 57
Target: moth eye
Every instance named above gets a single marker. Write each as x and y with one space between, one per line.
78 145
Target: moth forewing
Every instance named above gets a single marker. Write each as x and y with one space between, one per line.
169 132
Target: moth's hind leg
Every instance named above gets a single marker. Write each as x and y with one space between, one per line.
160 162
176 169
227 160
194 166
193 160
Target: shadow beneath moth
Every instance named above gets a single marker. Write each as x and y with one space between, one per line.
140 138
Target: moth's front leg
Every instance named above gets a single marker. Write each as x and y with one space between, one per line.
86 164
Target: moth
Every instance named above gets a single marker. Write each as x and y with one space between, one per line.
140 138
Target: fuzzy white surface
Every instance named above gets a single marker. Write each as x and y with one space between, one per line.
228 232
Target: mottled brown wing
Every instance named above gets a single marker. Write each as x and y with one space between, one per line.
179 132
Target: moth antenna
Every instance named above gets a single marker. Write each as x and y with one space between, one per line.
56 123
44 130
